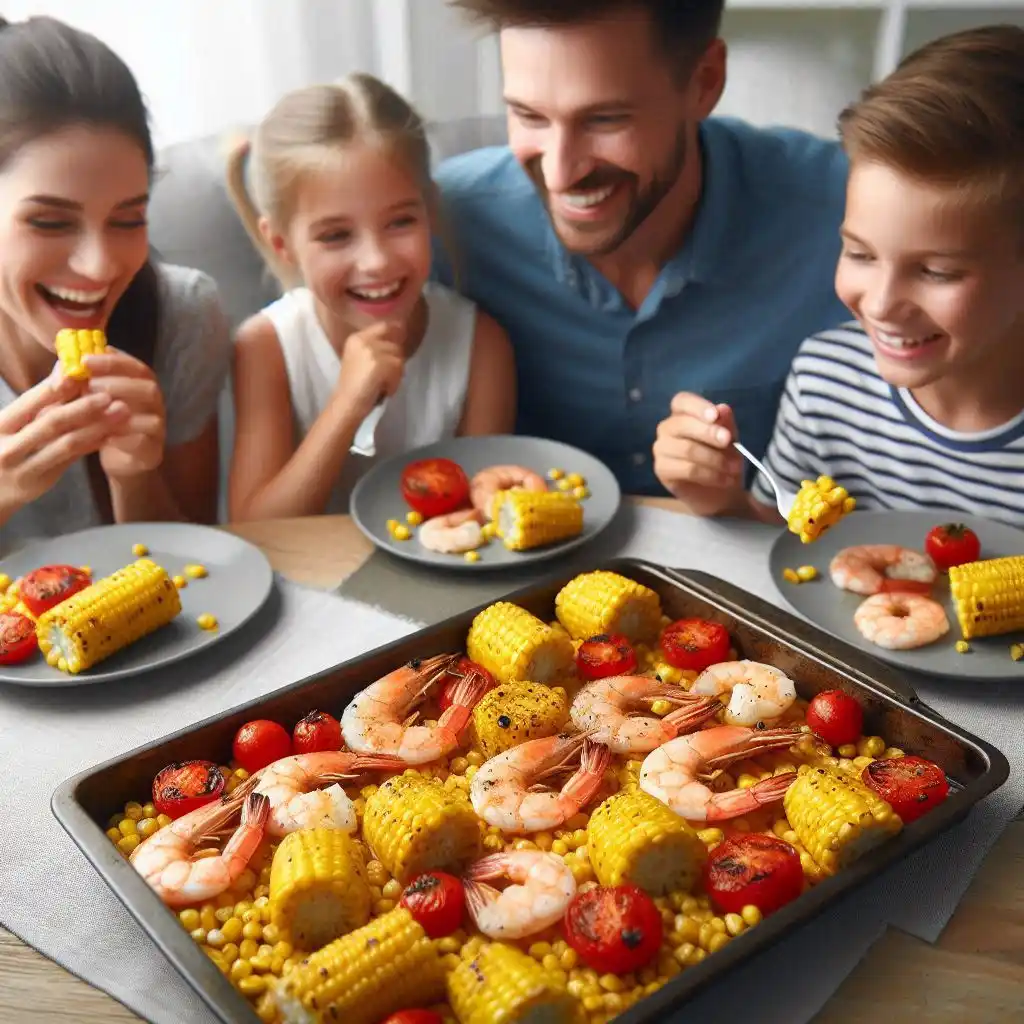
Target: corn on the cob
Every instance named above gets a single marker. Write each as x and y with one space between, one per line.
318 887
819 505
512 644
504 985
632 837
605 602
414 824
387 965
107 615
72 345
528 519
989 596
836 817
515 712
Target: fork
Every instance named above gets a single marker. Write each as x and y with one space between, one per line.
365 443
784 499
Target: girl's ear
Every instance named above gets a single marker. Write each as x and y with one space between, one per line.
276 242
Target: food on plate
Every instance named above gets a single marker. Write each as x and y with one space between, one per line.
1017 651
524 520
605 655
614 929
451 534
882 568
988 596
196 571
437 900
952 544
72 345
107 616
962 647
836 717
207 621
754 693
819 505
486 485
259 743
901 622
49 585
18 640
694 644
512 645
317 731
607 602
753 870
910 785
185 786
804 574
515 712
434 487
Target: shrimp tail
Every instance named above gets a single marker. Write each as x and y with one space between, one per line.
767 791
587 781
478 896
374 762
689 716
492 866
256 810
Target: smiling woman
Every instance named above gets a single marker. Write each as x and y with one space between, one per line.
136 438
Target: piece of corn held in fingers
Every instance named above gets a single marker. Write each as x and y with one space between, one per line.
387 965
107 616
989 596
512 644
528 519
602 602
836 817
72 345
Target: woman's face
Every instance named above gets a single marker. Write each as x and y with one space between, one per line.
72 229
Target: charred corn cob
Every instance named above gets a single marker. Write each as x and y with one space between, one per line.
504 985
989 596
837 817
819 505
515 712
632 837
512 644
528 519
387 965
414 824
107 615
605 602
318 887
72 345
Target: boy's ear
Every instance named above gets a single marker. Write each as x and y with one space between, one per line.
277 242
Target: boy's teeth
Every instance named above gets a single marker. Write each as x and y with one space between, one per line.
583 200
901 341
74 295
378 293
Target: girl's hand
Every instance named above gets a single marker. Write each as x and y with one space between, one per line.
372 366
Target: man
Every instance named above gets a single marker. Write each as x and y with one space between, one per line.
655 269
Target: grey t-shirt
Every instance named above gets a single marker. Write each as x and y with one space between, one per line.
192 362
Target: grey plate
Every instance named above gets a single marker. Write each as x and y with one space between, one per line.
240 580
377 496
832 609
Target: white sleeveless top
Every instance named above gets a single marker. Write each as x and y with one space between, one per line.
428 404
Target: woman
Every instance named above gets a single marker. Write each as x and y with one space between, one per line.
138 439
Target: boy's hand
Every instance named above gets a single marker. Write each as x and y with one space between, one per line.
372 365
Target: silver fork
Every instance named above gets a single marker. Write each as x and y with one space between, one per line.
364 443
784 499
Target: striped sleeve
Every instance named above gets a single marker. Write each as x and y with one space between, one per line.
789 454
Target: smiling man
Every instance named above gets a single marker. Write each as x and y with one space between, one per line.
652 265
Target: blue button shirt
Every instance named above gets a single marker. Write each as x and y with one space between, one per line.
724 318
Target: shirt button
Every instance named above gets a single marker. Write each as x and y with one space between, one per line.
639 458
635 394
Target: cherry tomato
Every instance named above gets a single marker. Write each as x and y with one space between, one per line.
17 638
414 1017
753 869
317 731
694 644
436 900
47 586
605 655
910 785
836 717
185 785
952 544
260 742
614 929
465 667
434 487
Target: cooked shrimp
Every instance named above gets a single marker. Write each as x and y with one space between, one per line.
377 720
672 773
544 888
756 692
502 790
607 711
900 622
874 568
168 860
486 484
452 534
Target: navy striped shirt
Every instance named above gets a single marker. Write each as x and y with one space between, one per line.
838 417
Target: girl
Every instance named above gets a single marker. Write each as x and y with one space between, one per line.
342 200
138 440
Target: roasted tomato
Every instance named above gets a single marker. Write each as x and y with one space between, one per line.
605 655
185 785
17 638
952 544
910 785
614 929
436 901
753 869
694 644
464 668
836 717
47 586
317 731
260 742
414 1017
434 487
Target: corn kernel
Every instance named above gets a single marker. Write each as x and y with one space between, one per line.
661 707
392 525
414 518
402 532
253 985
206 621
1017 651
807 573
472 556
196 572
128 843
180 582
232 929
790 576
718 940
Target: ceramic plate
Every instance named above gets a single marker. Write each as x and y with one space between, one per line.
377 496
240 580
832 609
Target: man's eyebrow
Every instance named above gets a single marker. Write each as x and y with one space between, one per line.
69 204
602 107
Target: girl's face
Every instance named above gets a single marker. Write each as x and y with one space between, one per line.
72 229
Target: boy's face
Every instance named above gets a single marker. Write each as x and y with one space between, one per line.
938 286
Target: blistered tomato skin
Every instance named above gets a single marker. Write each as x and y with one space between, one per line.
614 929
605 655
436 900
836 717
694 644
185 786
911 785
260 743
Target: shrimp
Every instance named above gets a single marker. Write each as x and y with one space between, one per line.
486 484
757 692
378 719
168 860
876 568
452 534
672 773
502 790
606 710
544 887
900 622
